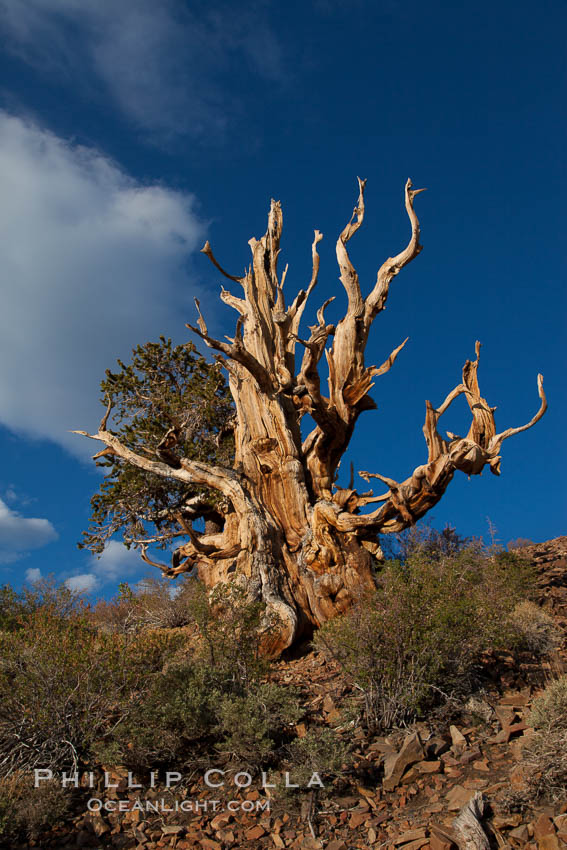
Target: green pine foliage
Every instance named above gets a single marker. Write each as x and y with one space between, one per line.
164 387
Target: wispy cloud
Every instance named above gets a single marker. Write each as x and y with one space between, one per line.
93 263
116 562
19 534
169 66
84 583
114 565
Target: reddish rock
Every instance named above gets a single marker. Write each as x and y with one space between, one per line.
99 825
221 820
429 766
442 838
548 842
506 714
255 832
520 835
436 746
518 700
438 843
410 835
396 763
458 739
506 821
358 818
457 796
209 844
171 829
543 826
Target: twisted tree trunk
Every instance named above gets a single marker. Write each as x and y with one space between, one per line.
294 539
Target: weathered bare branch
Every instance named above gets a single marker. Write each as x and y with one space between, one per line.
387 364
376 300
357 390
411 499
189 471
498 439
295 312
236 303
200 321
349 277
104 420
468 825
147 560
237 353
160 538
389 481
208 251
459 390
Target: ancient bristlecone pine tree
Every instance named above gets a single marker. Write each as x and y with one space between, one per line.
296 541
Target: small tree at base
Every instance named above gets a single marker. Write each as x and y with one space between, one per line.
290 536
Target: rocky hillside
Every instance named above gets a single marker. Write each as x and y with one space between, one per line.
403 792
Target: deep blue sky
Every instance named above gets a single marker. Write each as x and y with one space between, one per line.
131 132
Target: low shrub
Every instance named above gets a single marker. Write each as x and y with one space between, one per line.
152 604
545 753
419 636
250 726
26 811
519 543
47 593
214 698
64 685
424 539
175 714
321 751
549 710
535 629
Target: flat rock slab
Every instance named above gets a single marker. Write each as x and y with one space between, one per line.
396 763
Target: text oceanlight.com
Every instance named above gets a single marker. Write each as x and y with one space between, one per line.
162 806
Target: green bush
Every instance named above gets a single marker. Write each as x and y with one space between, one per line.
423 539
418 637
64 685
175 714
321 751
16 606
535 629
215 697
74 690
549 710
545 753
251 725
153 604
26 811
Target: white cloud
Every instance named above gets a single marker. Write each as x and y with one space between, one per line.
93 263
33 575
19 534
116 562
167 65
84 583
